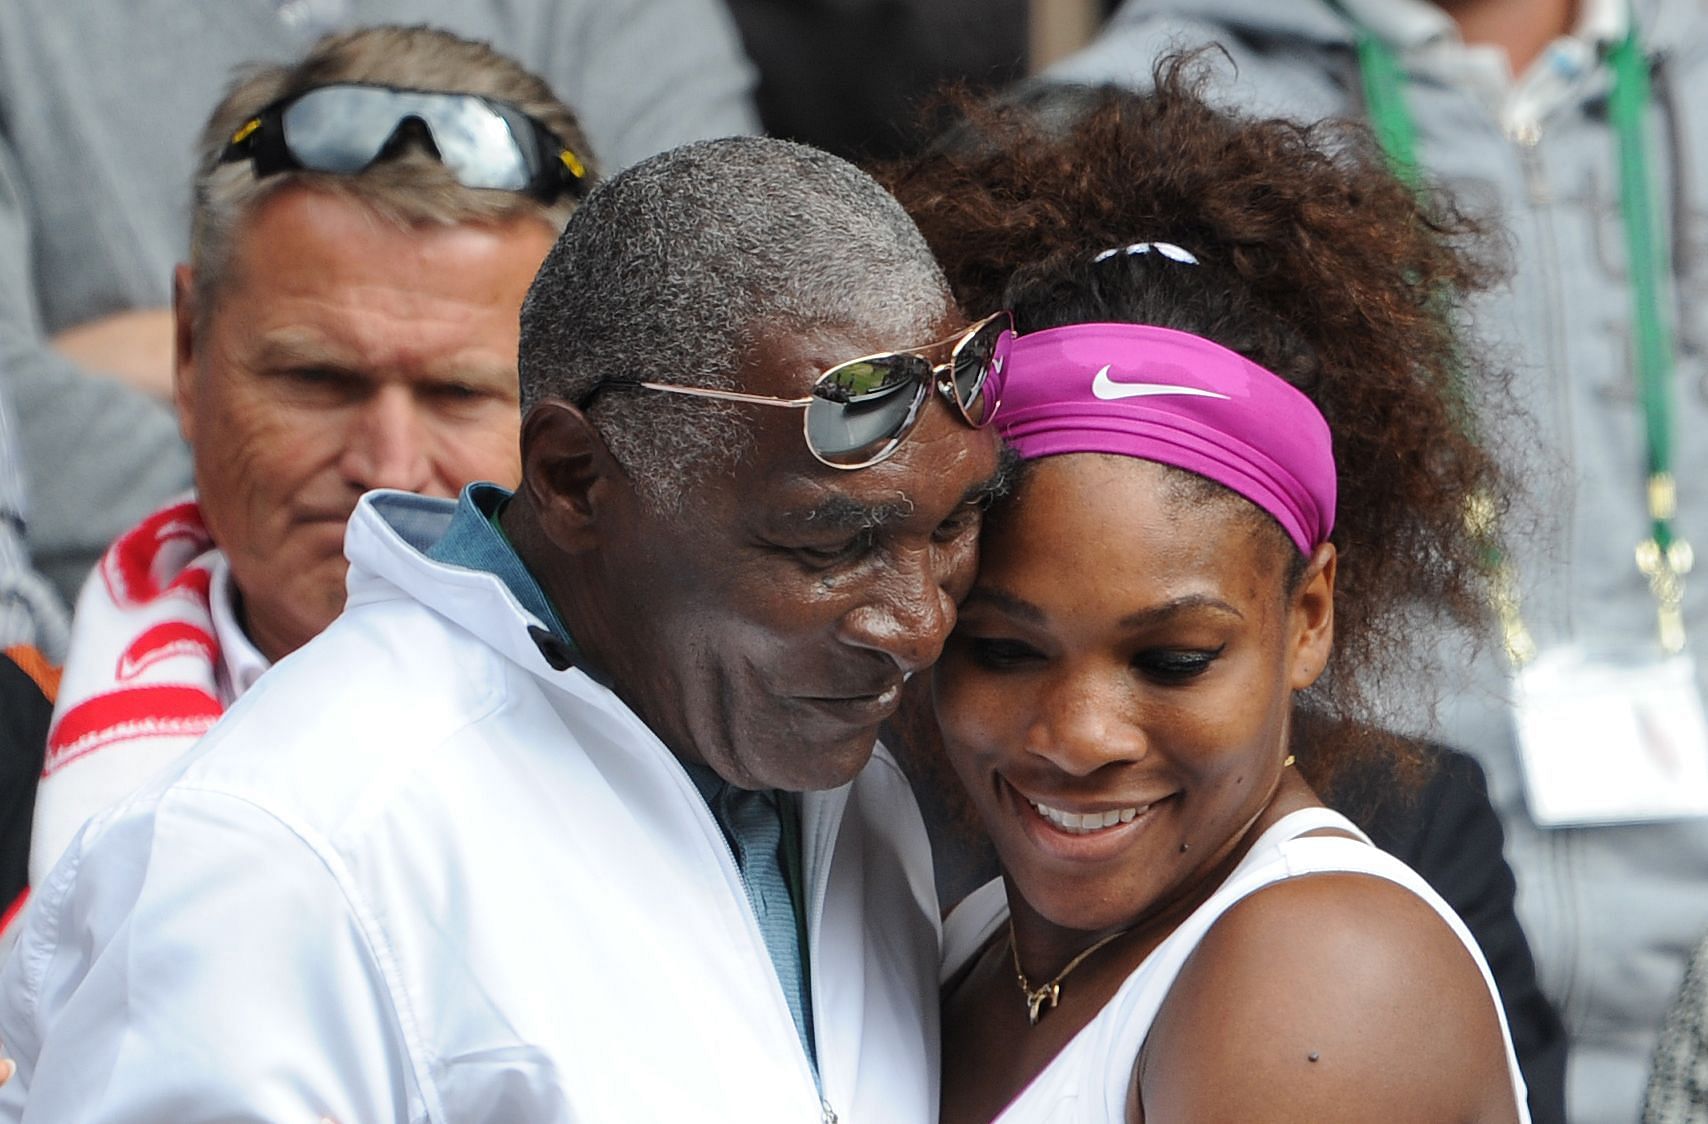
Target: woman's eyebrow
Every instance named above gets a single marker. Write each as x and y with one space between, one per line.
1167 609
1022 609
1004 601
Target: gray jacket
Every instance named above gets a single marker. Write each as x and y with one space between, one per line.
1613 912
100 104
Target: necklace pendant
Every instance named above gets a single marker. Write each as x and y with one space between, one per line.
1035 1001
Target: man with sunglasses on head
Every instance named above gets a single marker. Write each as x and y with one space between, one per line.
366 223
575 812
99 107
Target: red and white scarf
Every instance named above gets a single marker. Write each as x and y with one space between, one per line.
141 679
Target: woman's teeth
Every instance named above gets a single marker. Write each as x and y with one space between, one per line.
1079 824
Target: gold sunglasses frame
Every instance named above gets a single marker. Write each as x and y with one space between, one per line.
940 377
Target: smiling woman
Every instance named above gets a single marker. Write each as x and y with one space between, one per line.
1240 400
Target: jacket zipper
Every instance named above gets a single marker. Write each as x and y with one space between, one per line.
820 846
757 941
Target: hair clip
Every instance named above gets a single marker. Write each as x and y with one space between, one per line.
1167 249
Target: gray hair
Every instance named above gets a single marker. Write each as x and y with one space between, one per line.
669 270
411 188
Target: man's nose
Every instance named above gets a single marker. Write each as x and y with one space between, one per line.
386 444
908 615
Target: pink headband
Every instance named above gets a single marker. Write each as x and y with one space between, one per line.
1177 399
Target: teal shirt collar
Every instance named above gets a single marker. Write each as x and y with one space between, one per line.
475 541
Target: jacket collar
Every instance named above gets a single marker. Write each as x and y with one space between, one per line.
387 542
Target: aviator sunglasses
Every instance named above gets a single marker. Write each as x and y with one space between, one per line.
345 127
860 411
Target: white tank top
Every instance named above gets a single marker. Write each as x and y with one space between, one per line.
1089 1080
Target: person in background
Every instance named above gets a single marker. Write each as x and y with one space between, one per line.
854 76
30 611
27 685
575 812
1582 128
1237 388
1678 1079
99 108
33 629
366 223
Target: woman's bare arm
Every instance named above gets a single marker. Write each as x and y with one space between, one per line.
1329 997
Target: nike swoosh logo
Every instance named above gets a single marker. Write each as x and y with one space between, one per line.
1109 390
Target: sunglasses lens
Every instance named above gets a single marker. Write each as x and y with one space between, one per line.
859 408
976 369
335 129
482 146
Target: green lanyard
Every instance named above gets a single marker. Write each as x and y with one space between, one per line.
1664 557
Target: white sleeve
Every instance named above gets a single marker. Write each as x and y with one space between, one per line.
194 959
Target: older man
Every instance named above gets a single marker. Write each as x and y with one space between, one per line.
366 224
574 813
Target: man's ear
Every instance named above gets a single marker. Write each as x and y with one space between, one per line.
572 482
184 350
1312 617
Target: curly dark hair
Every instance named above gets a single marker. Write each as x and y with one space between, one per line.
1315 261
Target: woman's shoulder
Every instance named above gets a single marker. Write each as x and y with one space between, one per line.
1355 995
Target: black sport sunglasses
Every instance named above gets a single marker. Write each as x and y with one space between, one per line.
345 127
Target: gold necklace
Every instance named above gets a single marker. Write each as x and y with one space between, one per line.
1052 991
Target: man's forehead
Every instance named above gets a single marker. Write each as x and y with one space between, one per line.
345 233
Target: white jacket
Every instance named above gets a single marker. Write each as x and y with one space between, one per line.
416 874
